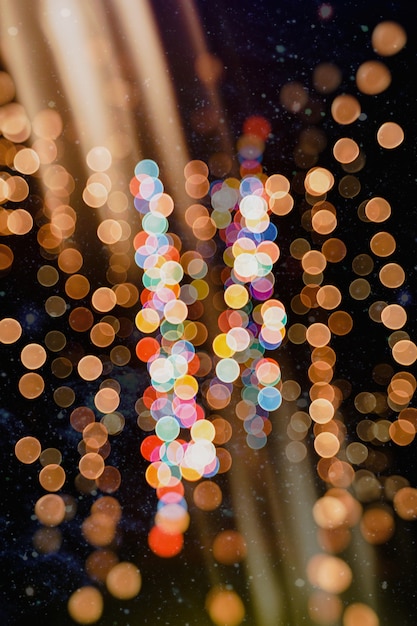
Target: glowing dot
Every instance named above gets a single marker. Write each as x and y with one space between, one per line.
329 512
313 262
19 222
50 455
50 510
99 563
95 436
99 529
167 428
358 614
104 299
107 400
324 608
91 465
236 296
109 231
345 109
10 330
175 311
95 195
172 517
359 289
52 477
392 275
227 370
345 150
405 352
124 581
225 607
90 367
293 96
33 356
356 453
70 260
388 38
334 250
229 547
318 335
186 387
268 372
373 77
47 124
377 209
326 77
31 385
253 207
390 135
318 181
269 398
257 126
207 496
332 574
328 297
203 429
99 159
324 222
163 544
405 503
27 449
85 605
326 445
6 257
321 410
377 525
77 286
340 323
393 316
325 11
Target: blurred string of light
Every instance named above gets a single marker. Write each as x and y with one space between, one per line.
264 587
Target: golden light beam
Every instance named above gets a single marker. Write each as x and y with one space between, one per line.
80 41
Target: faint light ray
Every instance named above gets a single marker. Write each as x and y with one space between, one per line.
266 586
19 58
365 567
196 34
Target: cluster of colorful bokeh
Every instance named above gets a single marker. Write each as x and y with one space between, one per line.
211 321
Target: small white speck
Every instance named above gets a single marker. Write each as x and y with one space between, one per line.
65 12
13 31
